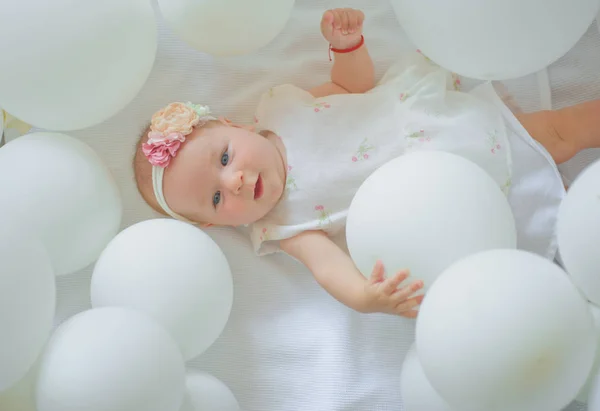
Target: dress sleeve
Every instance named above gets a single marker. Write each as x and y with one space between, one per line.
414 67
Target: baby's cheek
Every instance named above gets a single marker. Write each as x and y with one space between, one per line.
236 210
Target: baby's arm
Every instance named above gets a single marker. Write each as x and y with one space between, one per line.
351 72
335 271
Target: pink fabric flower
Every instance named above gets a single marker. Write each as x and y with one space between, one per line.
159 154
155 137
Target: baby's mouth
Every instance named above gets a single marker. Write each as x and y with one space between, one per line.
258 188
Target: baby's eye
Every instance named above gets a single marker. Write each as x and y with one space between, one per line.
225 158
217 198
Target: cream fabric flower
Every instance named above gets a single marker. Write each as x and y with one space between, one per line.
175 118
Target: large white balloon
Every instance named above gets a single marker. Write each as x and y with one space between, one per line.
514 325
578 227
59 188
495 39
584 392
111 359
206 393
68 65
424 211
172 271
227 27
27 303
417 392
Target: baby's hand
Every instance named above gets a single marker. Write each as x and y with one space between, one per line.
383 294
342 28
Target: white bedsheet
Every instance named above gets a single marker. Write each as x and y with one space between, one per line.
288 345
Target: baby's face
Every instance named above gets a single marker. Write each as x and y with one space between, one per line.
224 175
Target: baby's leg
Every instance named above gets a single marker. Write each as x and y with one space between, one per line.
567 131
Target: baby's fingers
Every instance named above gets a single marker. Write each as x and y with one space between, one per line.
409 304
403 293
354 20
327 22
345 20
409 314
378 274
391 284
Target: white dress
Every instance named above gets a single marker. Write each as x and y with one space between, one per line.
334 143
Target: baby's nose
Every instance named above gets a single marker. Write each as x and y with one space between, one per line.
235 181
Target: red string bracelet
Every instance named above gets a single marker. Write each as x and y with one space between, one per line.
350 50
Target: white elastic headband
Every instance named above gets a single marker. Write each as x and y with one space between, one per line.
167 132
157 185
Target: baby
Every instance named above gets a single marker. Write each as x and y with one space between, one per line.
292 181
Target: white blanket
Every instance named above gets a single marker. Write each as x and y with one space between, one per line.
288 345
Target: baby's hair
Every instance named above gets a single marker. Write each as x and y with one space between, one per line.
142 169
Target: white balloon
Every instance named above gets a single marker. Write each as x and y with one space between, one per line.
417 392
172 271
514 325
207 393
58 187
27 303
585 390
495 39
578 226
69 66
424 211
227 27
111 359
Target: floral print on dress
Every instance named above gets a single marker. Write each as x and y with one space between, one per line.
456 83
426 58
403 96
417 138
324 217
290 182
493 141
319 106
264 236
363 151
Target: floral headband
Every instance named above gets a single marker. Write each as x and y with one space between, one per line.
168 130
